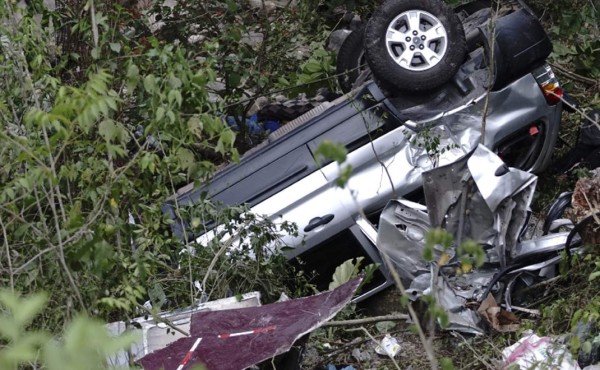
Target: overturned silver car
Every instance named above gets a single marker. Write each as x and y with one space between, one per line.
509 102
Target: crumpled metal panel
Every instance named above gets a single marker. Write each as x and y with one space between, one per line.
460 317
239 338
476 197
479 198
401 236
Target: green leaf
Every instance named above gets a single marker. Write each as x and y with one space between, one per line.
24 182
312 67
586 347
86 343
171 116
234 80
195 125
95 53
225 142
385 326
428 253
344 272
446 364
232 6
150 84
133 71
329 150
115 46
160 113
75 218
186 158
175 95
133 77
23 310
157 296
108 130
283 82
148 162
344 176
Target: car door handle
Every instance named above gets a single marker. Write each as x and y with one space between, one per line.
318 221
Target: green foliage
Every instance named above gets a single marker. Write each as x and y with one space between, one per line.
468 253
575 33
429 140
327 151
93 142
85 344
446 364
575 308
350 269
596 273
317 71
257 50
345 272
16 315
330 6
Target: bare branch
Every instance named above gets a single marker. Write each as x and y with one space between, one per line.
33 259
367 320
158 318
10 270
574 76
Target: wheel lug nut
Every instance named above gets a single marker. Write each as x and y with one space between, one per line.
408 39
423 37
421 47
415 33
412 47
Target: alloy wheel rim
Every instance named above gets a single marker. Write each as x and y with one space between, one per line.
416 40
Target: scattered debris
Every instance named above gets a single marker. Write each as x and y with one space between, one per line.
532 351
499 319
165 328
389 346
239 338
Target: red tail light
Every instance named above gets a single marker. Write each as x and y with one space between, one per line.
549 84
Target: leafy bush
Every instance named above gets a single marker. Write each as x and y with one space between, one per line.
92 145
85 344
575 32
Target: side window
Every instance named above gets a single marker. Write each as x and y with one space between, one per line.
358 130
270 179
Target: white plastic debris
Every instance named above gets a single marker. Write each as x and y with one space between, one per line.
541 353
389 346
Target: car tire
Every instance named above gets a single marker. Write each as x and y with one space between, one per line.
351 60
403 56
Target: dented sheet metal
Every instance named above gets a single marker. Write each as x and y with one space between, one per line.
239 338
477 198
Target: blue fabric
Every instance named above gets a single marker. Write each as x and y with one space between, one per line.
254 127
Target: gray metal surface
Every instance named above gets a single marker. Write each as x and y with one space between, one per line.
476 198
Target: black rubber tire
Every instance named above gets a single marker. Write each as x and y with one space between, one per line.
393 77
351 60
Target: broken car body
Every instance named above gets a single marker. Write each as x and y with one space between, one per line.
384 134
474 198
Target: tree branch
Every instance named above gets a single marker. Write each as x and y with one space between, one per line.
574 76
10 270
367 320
